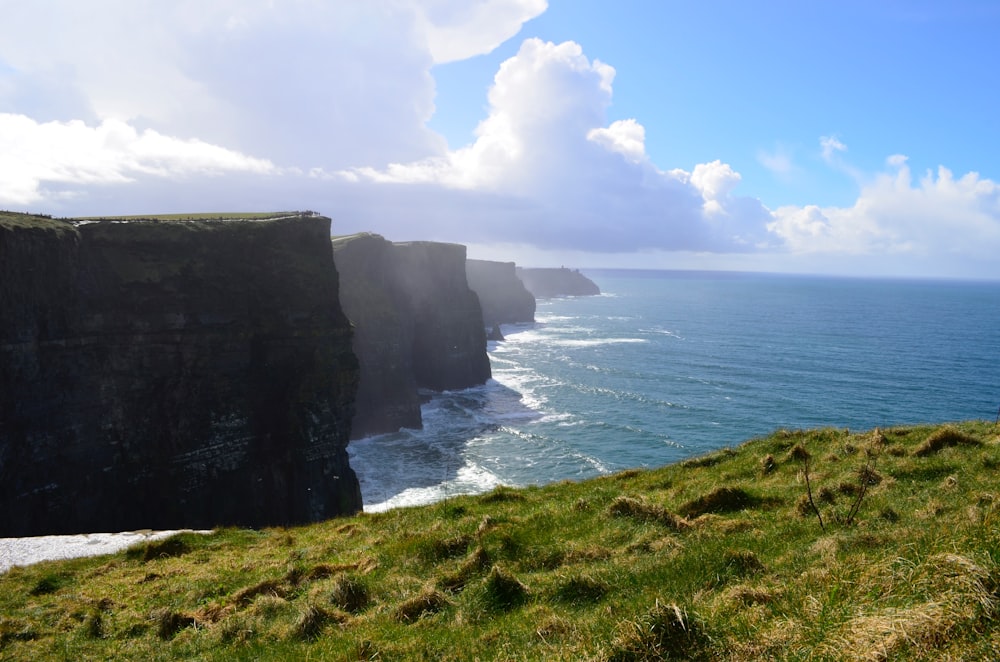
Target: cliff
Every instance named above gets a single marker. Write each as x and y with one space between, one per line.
172 374
562 282
417 325
501 293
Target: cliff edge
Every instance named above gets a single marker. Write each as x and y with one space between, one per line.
561 282
417 325
172 374
501 293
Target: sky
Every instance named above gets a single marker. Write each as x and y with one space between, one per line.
839 137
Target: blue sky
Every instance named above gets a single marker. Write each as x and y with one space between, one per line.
847 137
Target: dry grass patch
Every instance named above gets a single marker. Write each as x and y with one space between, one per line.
719 500
427 603
945 437
646 512
666 632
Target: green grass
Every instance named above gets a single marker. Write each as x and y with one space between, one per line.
713 558
202 216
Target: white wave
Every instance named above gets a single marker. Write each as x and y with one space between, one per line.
659 330
471 479
595 342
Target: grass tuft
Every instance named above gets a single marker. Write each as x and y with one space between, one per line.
245 596
664 633
169 623
720 500
502 591
350 593
945 437
428 602
646 512
580 589
476 563
160 549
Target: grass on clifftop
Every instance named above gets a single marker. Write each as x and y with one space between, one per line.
721 557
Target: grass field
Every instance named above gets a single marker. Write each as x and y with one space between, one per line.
821 544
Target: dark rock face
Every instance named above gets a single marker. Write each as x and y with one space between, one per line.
417 325
172 374
562 282
383 336
501 293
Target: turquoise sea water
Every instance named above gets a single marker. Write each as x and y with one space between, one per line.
665 365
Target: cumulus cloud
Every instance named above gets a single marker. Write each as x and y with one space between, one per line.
116 105
580 181
302 83
893 215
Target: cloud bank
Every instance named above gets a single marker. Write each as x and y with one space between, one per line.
139 106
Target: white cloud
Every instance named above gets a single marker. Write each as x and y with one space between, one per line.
778 162
457 31
831 146
33 155
303 83
893 215
579 181
627 137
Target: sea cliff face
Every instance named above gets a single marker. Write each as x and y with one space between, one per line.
417 325
562 282
501 293
172 374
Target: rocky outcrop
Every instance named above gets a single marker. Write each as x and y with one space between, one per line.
501 293
562 282
417 325
160 374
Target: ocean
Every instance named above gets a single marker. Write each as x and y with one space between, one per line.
665 365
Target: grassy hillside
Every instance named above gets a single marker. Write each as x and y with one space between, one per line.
721 557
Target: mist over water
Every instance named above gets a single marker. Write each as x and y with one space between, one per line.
666 365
